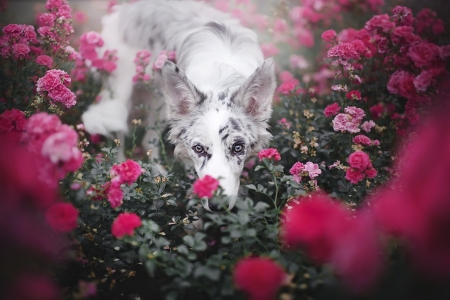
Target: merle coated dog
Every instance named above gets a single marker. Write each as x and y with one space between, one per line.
218 97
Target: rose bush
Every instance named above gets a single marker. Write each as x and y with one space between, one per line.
350 200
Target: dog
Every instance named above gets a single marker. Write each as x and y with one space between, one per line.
218 96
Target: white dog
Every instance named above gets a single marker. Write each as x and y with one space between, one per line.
218 97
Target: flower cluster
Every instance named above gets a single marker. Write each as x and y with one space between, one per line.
55 26
142 60
18 41
162 57
309 169
55 142
414 207
54 85
125 224
89 41
402 31
123 173
12 124
360 167
206 186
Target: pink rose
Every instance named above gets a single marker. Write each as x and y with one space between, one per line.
92 38
270 153
20 50
12 30
345 122
444 52
286 88
423 54
269 50
60 93
296 171
362 140
332 109
46 19
359 160
160 60
126 172
53 4
312 169
29 33
344 51
378 24
355 112
115 195
354 175
371 172
368 125
206 186
328 35
125 224
424 80
44 60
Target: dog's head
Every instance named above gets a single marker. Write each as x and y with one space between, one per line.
216 131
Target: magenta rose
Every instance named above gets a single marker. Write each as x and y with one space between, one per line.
359 160
354 175
20 50
423 54
328 35
44 60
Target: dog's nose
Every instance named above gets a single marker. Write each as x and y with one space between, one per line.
215 207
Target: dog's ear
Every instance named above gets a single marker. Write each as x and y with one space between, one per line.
256 94
181 95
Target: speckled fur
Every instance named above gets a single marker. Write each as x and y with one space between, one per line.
218 94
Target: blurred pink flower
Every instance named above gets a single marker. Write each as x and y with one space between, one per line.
205 187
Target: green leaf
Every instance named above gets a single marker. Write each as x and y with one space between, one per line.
243 217
189 240
251 186
183 249
151 266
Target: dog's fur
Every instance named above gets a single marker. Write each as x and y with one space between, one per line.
218 96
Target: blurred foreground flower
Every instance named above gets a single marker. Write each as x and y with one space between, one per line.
259 277
206 186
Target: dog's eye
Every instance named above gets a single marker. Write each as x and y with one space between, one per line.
199 149
237 148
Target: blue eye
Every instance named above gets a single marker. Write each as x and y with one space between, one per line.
237 148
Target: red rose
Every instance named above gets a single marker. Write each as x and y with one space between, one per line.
206 186
359 160
125 224
332 109
62 217
259 277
